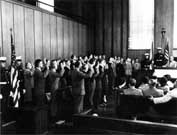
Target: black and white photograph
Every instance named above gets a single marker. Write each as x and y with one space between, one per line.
88 67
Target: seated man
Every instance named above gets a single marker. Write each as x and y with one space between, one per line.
170 95
153 91
132 90
144 84
163 85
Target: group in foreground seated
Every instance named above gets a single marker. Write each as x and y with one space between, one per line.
159 90
91 79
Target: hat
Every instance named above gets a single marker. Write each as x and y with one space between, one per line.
159 48
18 58
163 30
3 59
146 54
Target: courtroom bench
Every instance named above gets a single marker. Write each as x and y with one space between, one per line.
143 108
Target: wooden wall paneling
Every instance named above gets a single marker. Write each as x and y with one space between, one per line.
46 36
80 39
124 27
117 27
99 22
71 37
7 23
60 37
0 31
66 40
38 34
84 43
19 31
108 27
53 33
75 38
29 35
164 18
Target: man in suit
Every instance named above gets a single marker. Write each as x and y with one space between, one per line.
132 90
153 91
170 95
39 83
78 86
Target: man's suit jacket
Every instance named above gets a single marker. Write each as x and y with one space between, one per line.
39 82
78 84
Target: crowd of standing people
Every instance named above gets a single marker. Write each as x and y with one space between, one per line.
89 80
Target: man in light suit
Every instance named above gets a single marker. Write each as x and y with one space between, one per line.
78 87
171 94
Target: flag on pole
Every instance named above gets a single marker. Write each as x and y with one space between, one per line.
152 51
166 53
14 79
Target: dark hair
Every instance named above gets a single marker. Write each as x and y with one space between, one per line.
52 64
163 81
37 61
152 83
145 80
132 82
77 63
168 77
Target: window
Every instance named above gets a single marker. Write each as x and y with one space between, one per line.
175 25
141 24
46 4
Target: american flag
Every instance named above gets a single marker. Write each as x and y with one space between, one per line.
166 53
14 81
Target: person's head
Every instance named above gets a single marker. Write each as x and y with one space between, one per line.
3 62
28 65
78 64
53 64
18 61
137 60
152 83
163 32
145 80
159 50
171 58
38 63
163 81
168 77
132 82
146 55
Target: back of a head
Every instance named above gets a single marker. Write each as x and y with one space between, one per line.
132 82
163 81
145 80
37 61
152 83
77 64
168 77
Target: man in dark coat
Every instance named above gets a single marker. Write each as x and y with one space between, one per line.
159 59
4 89
39 83
78 87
